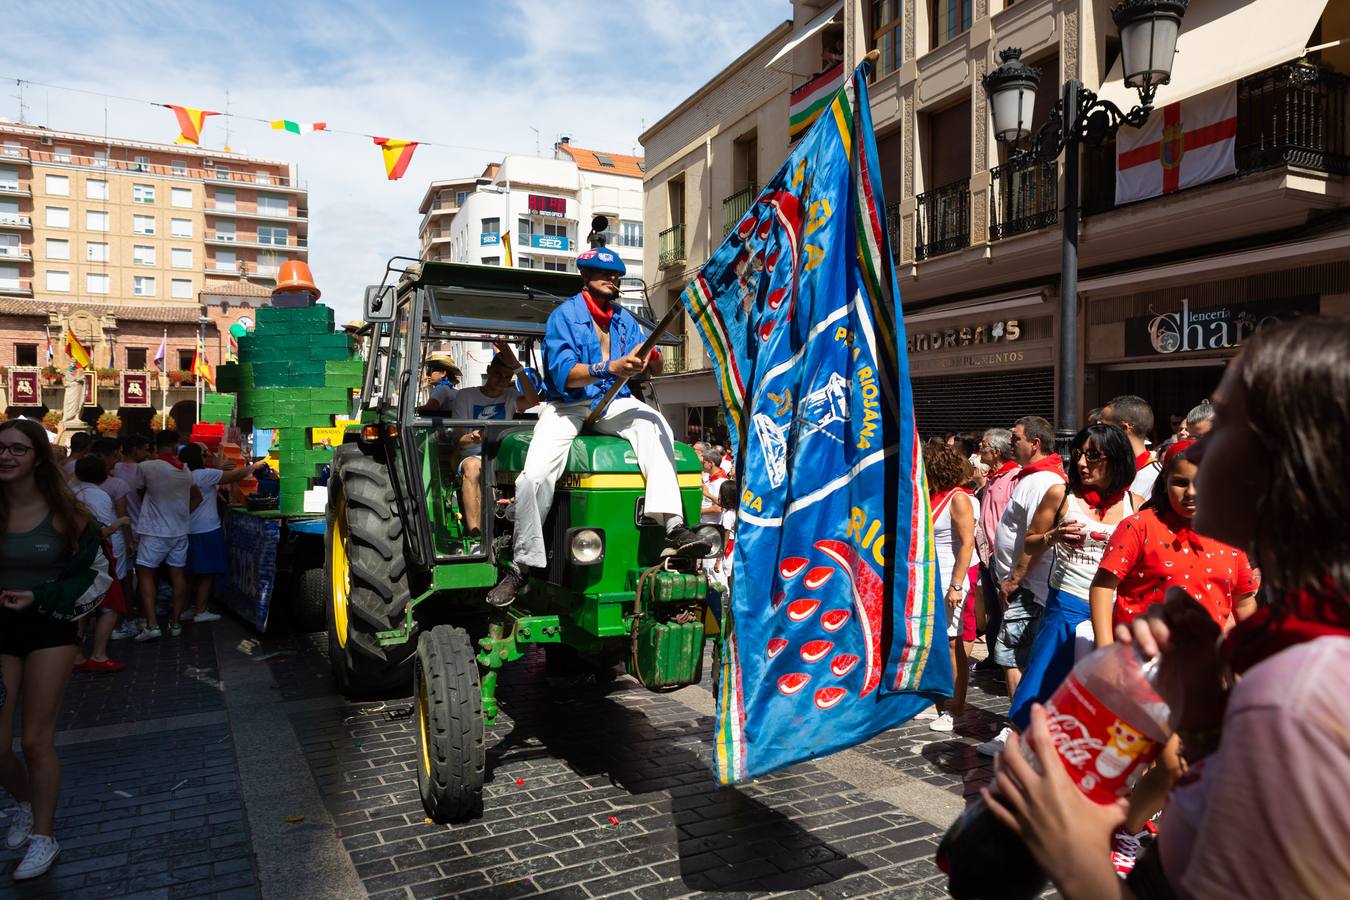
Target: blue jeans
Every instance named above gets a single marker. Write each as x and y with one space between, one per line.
1052 653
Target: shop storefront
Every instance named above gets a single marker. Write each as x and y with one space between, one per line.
1170 345
981 369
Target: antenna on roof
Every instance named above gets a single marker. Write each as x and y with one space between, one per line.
536 138
227 119
23 107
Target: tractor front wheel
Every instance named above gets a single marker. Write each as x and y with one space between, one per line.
449 705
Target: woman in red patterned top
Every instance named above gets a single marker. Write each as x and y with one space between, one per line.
1156 549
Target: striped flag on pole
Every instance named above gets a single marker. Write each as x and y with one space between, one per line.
806 103
298 127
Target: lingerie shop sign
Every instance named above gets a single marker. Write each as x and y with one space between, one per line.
1187 330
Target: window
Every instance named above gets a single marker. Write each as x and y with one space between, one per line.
630 234
524 262
523 228
95 220
492 226
178 167
492 260
180 227
58 185
185 360
273 205
143 255
144 193
9 178
269 263
96 251
604 160
9 277
950 18
182 288
222 173
61 154
101 159
556 265
58 217
142 164
181 257
96 189
9 244
143 286
226 261
886 25
276 235
58 281
460 197
9 207
25 354
225 231
224 200
96 282
58 249
180 198
136 357
264 177
142 224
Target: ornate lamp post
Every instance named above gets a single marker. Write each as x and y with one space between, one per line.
1148 38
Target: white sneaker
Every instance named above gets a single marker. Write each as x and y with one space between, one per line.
20 825
1124 851
994 746
929 713
124 631
206 616
42 851
147 634
943 723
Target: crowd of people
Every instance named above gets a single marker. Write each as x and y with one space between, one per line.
1224 548
80 536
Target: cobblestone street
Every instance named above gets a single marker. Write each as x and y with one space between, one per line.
221 765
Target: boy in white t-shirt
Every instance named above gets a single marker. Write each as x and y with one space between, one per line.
206 537
162 531
90 476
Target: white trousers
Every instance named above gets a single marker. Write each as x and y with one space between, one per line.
628 418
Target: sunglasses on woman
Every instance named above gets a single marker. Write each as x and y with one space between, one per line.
1093 456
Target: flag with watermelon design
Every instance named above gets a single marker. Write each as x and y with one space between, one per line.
845 635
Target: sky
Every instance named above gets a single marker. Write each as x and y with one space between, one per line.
479 75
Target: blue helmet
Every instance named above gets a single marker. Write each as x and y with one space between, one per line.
602 259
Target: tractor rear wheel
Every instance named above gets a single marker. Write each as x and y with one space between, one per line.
367 577
448 697
311 588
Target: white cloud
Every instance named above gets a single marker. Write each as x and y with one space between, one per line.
471 75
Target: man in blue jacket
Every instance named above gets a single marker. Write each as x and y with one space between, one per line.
589 341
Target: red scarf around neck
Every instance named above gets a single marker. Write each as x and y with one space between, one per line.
1179 526
171 460
1302 617
1099 503
1008 466
1142 460
1051 463
601 315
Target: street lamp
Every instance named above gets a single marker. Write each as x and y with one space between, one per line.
1148 39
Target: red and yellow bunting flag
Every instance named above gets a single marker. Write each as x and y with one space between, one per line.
189 123
397 155
201 366
77 352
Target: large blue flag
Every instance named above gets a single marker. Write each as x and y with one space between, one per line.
834 629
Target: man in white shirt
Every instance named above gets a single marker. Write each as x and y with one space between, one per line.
1022 587
497 400
162 531
1133 414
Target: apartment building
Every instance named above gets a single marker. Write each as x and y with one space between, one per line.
438 207
123 241
1169 285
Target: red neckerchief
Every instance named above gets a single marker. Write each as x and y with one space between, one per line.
1002 470
171 460
1302 617
1098 503
1142 460
1051 463
937 502
1180 527
601 316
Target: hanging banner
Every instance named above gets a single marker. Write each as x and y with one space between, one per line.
134 389
840 633
25 387
1181 145
90 388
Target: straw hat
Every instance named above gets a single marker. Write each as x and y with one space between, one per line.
445 360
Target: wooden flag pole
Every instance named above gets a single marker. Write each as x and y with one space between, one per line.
644 351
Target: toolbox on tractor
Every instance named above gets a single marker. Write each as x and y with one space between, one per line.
407 582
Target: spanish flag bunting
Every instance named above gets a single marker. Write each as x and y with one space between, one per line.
397 155
298 127
189 123
78 353
202 366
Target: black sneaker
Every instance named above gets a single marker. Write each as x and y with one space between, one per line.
685 542
504 593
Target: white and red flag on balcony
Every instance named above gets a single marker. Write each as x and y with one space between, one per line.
1183 144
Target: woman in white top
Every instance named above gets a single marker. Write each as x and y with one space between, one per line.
1074 522
954 510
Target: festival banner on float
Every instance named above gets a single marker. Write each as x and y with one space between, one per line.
25 387
845 635
134 389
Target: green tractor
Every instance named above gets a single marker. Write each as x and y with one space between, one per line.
408 582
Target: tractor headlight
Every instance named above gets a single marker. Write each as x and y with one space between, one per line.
587 546
712 535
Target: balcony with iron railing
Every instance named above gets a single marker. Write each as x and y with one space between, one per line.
942 220
1024 197
14 220
22 287
1292 115
265 215
736 206
230 239
672 248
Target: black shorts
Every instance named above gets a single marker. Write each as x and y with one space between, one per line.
28 630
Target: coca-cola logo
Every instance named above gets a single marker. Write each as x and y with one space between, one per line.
1073 742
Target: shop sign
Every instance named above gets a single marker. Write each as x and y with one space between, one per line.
539 205
135 389
90 388
964 336
25 387
1216 328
